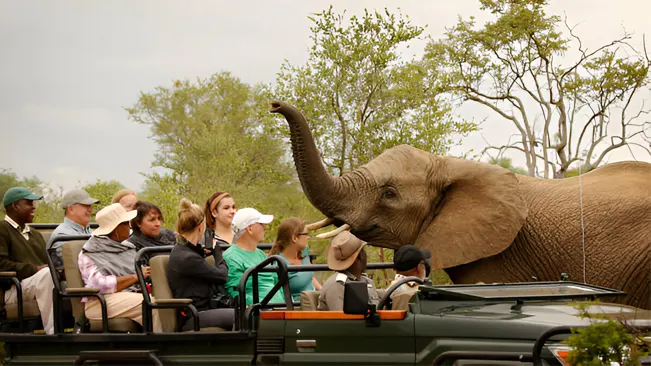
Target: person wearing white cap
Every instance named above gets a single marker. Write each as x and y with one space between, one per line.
347 257
78 206
249 226
107 263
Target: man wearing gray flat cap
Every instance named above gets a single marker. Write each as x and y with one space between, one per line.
78 206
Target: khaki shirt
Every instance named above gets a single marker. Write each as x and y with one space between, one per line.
401 296
332 292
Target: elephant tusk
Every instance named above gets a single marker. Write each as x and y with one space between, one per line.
334 232
317 225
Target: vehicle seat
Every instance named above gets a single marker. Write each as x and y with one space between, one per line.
70 255
161 290
309 300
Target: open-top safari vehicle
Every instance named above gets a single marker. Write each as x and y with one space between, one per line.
501 324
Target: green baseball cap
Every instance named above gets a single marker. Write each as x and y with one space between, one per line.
19 193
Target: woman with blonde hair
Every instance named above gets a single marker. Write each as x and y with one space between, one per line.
291 245
191 277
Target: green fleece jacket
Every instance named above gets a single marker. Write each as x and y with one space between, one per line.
18 254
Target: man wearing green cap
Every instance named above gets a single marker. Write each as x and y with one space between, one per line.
23 251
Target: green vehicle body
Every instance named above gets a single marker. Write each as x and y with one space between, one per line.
447 325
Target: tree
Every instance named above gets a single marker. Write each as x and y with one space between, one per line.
513 65
215 134
359 96
507 163
103 191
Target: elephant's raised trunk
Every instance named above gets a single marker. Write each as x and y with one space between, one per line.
322 190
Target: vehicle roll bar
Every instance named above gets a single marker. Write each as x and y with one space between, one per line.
283 281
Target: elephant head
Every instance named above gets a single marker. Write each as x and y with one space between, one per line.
461 210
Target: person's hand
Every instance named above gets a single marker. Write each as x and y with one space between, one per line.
208 251
41 267
146 272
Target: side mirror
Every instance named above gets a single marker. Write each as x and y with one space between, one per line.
356 297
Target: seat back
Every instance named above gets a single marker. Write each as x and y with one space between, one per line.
161 290
309 300
70 254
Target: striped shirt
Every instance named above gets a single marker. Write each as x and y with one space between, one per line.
93 278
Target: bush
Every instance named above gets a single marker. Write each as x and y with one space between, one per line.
607 339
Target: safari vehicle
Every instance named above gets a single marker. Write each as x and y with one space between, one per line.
501 324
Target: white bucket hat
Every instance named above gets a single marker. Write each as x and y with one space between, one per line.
110 217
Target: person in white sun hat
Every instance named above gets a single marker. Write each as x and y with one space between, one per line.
249 227
106 263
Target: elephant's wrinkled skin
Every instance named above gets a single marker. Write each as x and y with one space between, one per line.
484 223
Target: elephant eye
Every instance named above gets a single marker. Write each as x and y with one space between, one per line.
389 193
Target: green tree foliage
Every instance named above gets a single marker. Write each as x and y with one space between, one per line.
513 65
607 339
214 135
507 163
359 95
103 191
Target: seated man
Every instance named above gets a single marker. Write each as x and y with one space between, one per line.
77 204
409 261
107 263
23 251
249 226
346 256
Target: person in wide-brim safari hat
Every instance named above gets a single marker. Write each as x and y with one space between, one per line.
106 262
346 256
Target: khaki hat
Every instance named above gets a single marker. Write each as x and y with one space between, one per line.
77 196
343 250
110 217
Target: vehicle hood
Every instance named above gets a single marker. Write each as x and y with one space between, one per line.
525 321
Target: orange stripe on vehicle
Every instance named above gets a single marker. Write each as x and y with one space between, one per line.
306 315
275 315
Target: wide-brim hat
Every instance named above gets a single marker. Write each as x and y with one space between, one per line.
343 250
110 217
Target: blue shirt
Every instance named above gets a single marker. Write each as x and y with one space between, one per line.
68 227
300 281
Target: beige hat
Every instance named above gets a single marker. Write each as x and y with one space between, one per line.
343 250
110 217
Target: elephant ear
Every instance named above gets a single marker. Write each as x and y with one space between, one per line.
479 213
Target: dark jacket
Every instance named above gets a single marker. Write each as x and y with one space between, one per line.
191 277
18 254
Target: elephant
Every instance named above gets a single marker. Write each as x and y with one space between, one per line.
482 222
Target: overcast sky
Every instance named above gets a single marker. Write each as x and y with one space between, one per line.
67 68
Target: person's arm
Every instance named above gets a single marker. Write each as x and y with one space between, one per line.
195 266
235 272
23 270
93 278
316 284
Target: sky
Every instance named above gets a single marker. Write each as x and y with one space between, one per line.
69 68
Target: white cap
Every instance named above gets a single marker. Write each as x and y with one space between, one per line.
110 217
248 216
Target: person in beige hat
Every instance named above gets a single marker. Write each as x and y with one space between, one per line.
106 262
347 257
